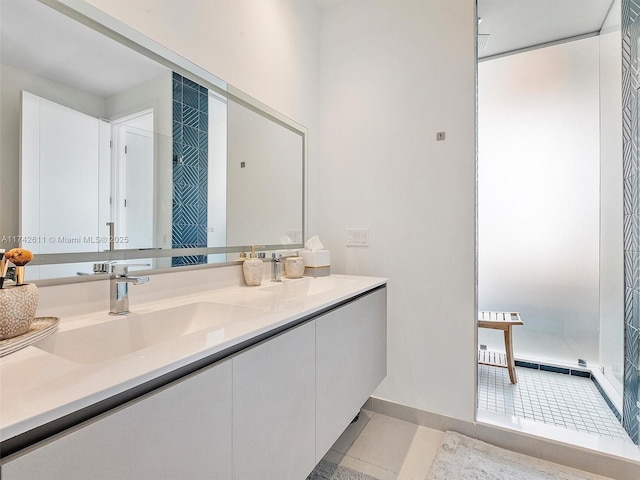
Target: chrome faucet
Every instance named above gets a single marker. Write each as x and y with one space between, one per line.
120 281
276 270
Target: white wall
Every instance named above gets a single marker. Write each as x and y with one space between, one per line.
384 78
538 202
393 73
611 219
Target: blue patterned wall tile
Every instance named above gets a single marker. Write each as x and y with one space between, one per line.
202 215
188 260
178 175
185 195
190 97
629 417
189 136
190 195
175 234
190 217
203 101
187 234
190 83
190 173
629 306
177 132
630 377
175 212
204 121
185 219
629 232
634 319
190 116
178 194
203 179
177 88
632 347
203 193
177 111
203 140
630 31
630 194
635 197
177 148
203 160
631 269
178 220
202 235
190 156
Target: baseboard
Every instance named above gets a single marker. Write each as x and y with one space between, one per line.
602 457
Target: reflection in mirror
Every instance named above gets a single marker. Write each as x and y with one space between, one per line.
261 174
168 162
88 184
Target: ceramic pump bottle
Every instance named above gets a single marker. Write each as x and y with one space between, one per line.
252 268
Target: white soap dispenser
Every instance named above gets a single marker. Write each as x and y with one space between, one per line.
253 268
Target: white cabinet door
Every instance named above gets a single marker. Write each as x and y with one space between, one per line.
274 408
180 432
351 351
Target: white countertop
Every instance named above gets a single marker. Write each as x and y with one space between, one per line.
38 387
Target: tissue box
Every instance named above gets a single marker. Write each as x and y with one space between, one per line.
318 258
316 262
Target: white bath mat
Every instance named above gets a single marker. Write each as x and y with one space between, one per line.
464 458
330 471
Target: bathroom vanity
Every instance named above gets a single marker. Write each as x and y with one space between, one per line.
205 377
238 382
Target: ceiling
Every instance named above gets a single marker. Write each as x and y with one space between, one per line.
513 25
520 24
507 25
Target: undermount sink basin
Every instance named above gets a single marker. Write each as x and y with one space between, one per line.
120 336
307 286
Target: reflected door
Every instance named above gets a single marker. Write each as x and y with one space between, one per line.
138 192
133 207
62 151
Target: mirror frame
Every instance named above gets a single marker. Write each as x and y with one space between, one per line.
101 22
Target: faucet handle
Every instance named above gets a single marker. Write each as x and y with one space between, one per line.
122 269
276 256
102 267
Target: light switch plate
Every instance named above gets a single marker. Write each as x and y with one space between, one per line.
357 237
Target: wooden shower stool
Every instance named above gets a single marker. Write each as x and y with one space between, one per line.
500 321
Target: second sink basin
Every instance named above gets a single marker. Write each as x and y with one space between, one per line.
119 336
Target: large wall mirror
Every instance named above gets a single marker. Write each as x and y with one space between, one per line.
115 149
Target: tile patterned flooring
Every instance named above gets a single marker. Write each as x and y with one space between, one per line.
387 448
562 400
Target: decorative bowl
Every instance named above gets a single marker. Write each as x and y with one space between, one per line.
18 306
